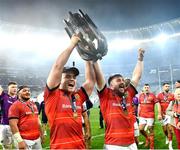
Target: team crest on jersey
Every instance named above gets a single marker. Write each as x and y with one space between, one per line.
77 96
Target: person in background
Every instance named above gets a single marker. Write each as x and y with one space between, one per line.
164 98
24 121
44 119
146 113
6 100
177 84
173 110
101 124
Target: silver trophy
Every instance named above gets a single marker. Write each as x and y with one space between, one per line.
93 44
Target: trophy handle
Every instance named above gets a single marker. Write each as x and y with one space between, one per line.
88 19
68 32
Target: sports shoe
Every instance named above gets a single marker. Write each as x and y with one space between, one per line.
170 145
167 140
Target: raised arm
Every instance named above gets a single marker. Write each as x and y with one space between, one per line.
89 78
138 68
100 80
53 79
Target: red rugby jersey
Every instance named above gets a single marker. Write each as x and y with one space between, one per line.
164 99
147 103
27 115
119 123
65 130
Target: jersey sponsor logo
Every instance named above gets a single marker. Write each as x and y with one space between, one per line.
77 96
66 106
9 102
30 112
118 104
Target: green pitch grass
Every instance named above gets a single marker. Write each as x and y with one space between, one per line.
98 134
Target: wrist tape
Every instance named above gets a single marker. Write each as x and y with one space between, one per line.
18 137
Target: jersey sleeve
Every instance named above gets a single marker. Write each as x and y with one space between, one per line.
103 92
14 111
49 92
171 97
158 97
132 90
81 95
156 100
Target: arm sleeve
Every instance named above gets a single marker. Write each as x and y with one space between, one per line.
83 95
49 93
14 112
103 92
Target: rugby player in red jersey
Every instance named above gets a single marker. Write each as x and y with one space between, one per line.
64 103
116 106
146 113
24 121
164 98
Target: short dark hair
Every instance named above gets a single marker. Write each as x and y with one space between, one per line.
22 87
12 83
178 81
165 83
146 84
113 76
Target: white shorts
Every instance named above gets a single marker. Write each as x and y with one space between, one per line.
1 130
6 135
32 144
166 120
146 121
136 129
116 147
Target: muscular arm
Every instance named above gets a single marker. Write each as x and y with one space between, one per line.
13 124
159 111
138 68
41 132
87 127
57 68
89 78
14 128
100 80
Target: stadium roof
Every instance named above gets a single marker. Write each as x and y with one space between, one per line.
107 14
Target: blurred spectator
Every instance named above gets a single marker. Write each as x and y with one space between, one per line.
6 100
174 111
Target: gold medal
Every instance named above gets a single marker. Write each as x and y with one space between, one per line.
75 115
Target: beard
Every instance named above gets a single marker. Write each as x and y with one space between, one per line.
25 99
166 91
118 91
